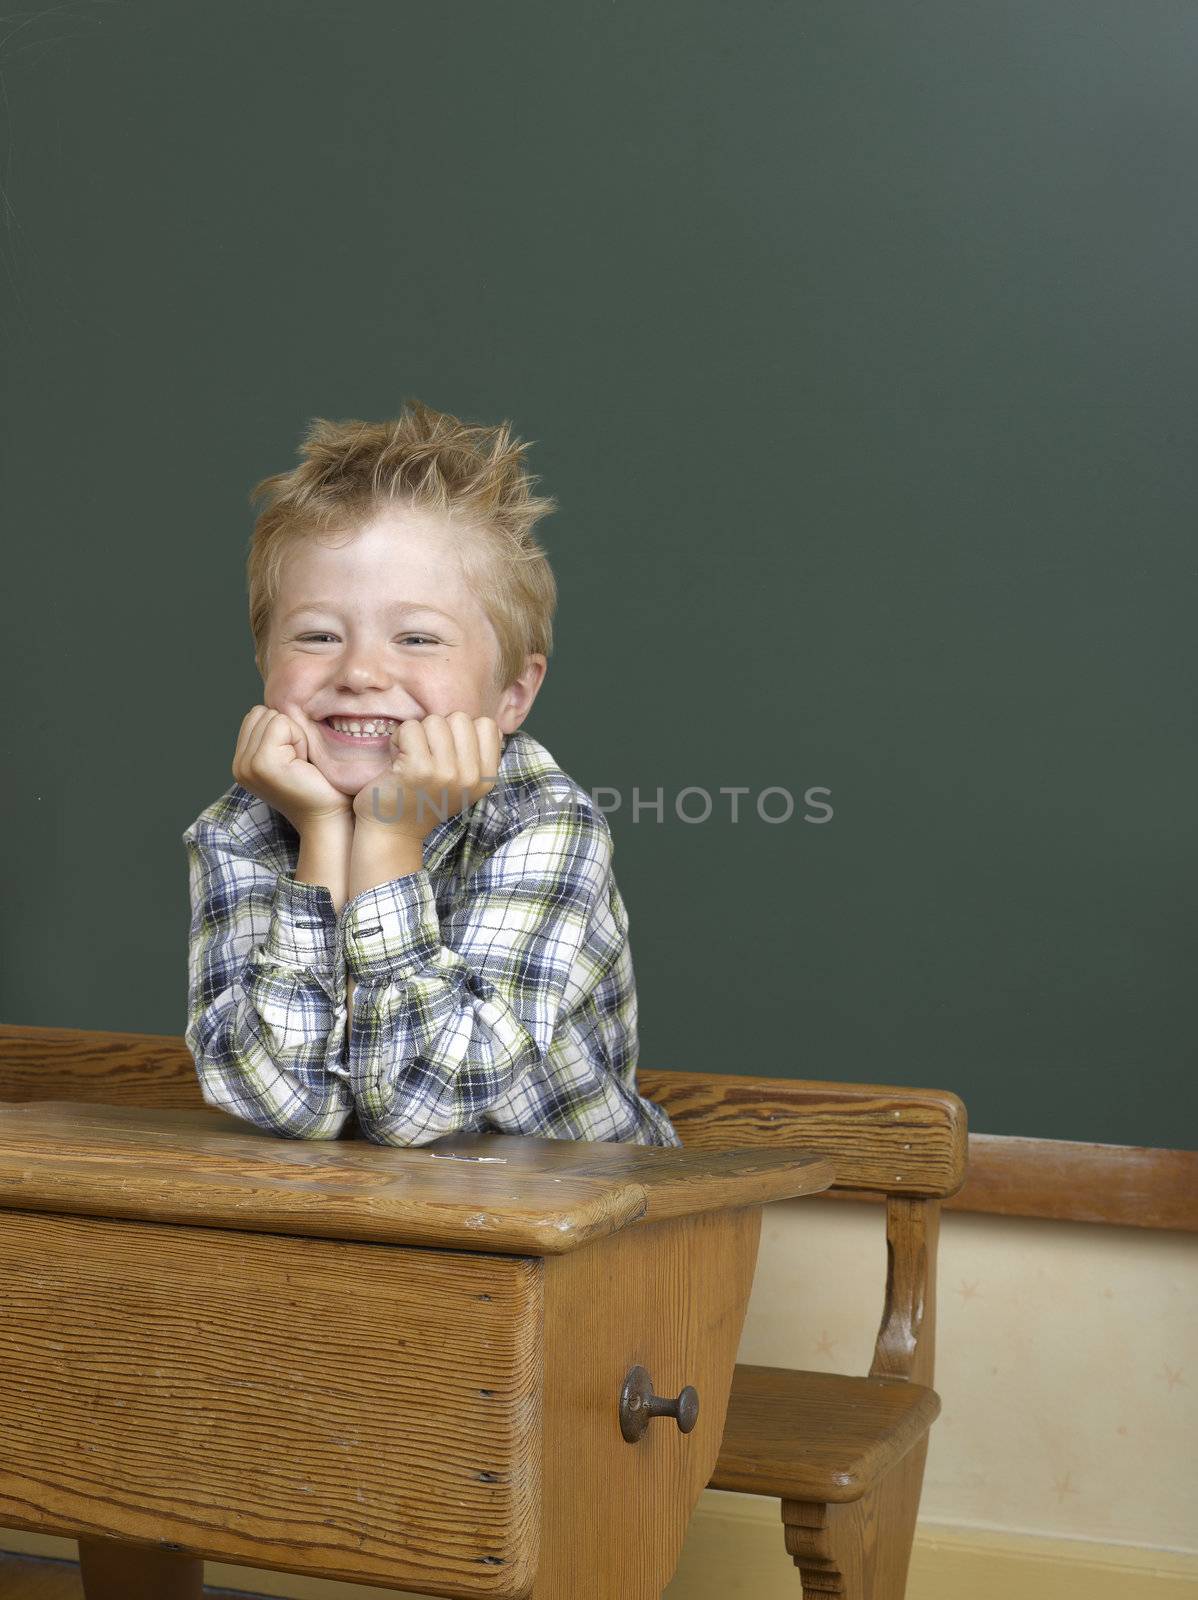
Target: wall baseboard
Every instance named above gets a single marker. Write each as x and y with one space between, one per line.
950 1562
734 1551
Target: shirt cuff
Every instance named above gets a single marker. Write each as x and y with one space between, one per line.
303 926
392 929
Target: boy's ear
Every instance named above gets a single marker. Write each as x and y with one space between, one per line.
516 701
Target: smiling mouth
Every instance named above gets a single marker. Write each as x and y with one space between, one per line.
364 741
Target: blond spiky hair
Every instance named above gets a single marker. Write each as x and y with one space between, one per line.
429 460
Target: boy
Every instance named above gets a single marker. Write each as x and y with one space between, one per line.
403 910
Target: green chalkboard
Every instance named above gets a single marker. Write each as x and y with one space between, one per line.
858 343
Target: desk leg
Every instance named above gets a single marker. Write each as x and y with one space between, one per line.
112 1570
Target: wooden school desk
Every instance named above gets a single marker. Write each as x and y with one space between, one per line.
424 1368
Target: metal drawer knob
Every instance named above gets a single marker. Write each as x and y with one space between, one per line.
638 1405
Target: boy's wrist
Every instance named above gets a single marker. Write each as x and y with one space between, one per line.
324 852
381 852
328 824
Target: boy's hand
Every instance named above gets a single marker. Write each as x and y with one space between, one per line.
271 761
439 766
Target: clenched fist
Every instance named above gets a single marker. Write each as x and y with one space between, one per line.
271 761
438 767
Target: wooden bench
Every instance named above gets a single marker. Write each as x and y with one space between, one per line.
843 1454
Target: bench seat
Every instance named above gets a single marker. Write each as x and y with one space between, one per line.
817 1436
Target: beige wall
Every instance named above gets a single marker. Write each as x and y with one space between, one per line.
1067 1363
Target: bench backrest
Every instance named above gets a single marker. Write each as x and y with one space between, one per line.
910 1145
112 1069
907 1144
881 1138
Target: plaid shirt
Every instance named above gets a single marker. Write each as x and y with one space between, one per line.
494 988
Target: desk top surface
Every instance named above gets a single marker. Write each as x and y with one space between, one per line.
499 1193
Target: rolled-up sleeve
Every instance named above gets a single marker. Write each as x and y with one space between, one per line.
266 1013
496 997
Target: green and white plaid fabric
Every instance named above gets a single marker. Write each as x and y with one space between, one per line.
494 988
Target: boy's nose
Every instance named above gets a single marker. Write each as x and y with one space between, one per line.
365 669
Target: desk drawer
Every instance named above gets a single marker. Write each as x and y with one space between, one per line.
358 1411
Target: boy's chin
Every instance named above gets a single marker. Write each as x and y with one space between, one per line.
351 778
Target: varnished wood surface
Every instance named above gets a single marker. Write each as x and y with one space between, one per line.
911 1143
354 1411
817 1435
1122 1184
1053 1179
861 1548
379 1414
98 1068
878 1136
906 1342
490 1192
671 1298
112 1570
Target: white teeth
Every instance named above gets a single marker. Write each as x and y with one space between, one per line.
367 729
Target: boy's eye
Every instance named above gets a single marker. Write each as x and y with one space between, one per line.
408 638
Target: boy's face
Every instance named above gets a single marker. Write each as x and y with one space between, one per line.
383 621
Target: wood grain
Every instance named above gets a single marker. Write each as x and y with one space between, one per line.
98 1068
1122 1184
906 1349
671 1298
882 1137
490 1192
834 1548
906 1342
877 1136
846 1454
1053 1179
354 1411
817 1435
